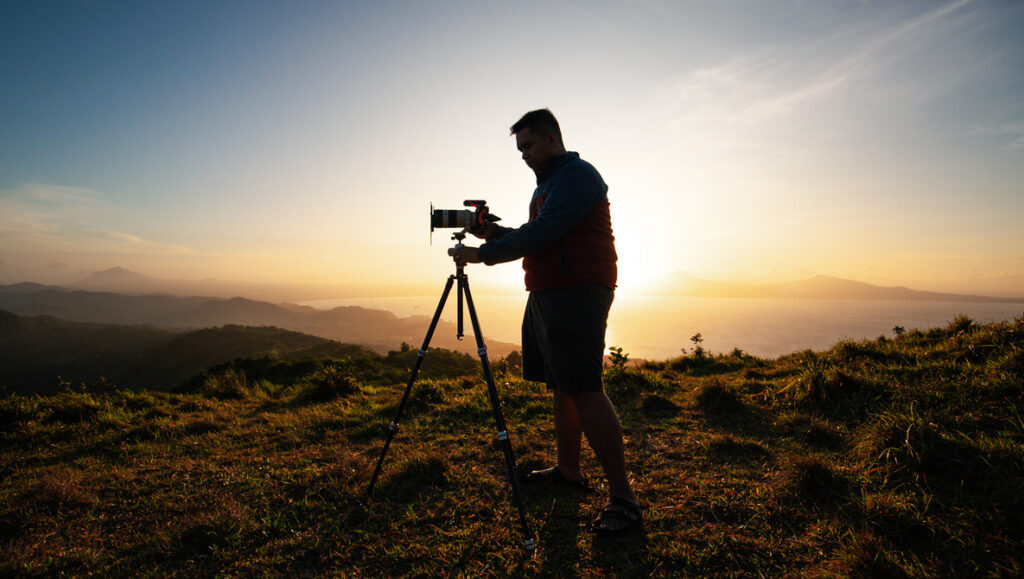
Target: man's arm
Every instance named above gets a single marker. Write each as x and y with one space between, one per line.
493 231
568 202
464 254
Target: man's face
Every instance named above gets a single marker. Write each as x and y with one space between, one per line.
537 148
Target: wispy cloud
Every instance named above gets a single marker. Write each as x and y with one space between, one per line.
866 57
40 209
57 195
71 218
136 242
1014 132
778 80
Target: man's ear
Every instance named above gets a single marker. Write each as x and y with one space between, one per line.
551 138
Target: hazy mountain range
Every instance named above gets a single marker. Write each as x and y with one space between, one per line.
121 280
377 329
818 287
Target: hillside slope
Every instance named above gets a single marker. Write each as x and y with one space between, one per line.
38 354
891 458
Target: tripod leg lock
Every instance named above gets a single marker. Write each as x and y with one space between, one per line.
503 435
393 427
482 352
422 353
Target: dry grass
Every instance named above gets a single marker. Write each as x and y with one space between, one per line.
893 458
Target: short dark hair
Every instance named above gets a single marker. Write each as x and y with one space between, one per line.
538 121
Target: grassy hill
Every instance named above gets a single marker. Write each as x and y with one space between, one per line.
893 458
39 353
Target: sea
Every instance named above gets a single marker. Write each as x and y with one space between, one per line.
661 327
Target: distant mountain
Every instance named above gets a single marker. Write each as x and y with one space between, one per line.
121 280
116 276
818 287
377 329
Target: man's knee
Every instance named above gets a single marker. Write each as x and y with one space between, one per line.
588 400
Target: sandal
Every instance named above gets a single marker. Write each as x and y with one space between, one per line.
617 509
554 477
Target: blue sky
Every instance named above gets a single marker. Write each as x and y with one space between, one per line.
304 141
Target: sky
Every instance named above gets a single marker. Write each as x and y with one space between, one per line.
304 142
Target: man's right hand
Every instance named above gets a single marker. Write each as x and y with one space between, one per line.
464 255
486 233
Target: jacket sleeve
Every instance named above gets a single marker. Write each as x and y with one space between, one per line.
499 232
569 198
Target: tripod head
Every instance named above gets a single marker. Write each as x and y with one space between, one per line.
457 238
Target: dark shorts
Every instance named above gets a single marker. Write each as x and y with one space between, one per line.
563 337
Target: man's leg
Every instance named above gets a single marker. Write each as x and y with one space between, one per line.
600 423
568 435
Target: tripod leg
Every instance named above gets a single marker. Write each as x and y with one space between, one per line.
499 420
408 388
460 274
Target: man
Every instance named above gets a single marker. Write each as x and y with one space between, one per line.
568 253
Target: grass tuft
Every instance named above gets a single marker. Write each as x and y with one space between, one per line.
717 399
328 383
57 490
658 406
69 408
227 385
813 479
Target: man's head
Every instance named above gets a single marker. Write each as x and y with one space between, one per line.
539 139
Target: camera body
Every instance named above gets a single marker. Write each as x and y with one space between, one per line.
475 220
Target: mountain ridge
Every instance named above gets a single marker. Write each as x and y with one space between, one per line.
816 287
121 280
379 330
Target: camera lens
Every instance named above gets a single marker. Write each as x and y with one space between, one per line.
451 218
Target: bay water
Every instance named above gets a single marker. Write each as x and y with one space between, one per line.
661 327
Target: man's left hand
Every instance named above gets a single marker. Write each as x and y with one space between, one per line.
464 255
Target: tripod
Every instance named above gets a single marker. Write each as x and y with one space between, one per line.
492 391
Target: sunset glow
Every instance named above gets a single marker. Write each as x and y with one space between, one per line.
302 143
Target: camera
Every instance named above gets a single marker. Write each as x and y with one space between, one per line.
474 221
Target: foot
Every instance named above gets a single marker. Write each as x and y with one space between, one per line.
617 517
555 476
